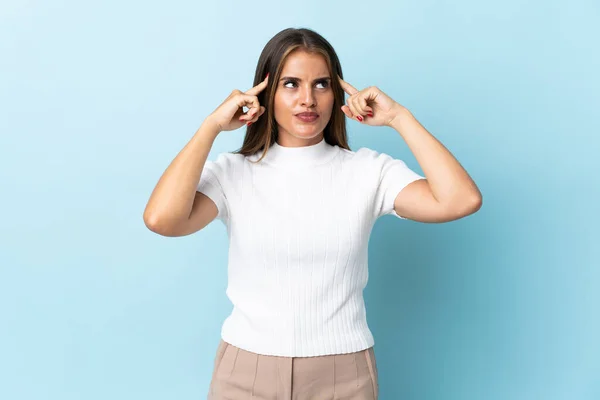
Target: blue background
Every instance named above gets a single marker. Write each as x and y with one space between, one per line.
96 99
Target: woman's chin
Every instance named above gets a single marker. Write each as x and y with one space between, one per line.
307 130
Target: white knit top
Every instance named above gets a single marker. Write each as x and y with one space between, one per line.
298 224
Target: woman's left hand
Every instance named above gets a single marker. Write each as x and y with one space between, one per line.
370 106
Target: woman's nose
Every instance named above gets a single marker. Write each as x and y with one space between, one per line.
307 98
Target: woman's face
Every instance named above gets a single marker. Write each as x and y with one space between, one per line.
304 87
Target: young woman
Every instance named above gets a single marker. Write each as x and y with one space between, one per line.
299 206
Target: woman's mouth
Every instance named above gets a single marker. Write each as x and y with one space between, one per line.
307 116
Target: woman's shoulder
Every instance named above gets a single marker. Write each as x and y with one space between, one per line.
224 164
228 158
364 154
368 159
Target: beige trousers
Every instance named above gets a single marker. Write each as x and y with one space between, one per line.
239 375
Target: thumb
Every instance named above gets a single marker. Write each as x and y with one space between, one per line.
346 110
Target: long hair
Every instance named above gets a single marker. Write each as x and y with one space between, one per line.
263 133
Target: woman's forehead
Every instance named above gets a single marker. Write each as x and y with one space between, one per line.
305 65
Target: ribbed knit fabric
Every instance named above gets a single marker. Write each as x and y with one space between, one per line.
298 224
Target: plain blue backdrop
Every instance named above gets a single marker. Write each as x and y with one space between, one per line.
96 99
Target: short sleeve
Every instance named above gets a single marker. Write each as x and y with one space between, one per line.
394 175
212 184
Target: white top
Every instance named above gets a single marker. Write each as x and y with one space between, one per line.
298 224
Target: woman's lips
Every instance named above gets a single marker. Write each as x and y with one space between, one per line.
307 117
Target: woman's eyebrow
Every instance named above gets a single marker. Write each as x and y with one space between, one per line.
293 78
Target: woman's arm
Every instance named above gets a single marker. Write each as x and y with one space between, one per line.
448 192
172 201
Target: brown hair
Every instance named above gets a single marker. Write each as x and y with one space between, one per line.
263 133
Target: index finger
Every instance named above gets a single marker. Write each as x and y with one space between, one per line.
258 88
348 88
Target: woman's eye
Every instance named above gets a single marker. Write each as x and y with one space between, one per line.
323 83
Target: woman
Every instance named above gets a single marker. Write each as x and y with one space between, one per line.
299 206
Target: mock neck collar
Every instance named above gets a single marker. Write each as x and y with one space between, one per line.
301 156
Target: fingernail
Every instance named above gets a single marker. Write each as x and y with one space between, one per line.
267 75
249 123
370 114
359 118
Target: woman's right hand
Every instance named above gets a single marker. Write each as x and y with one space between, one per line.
230 114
